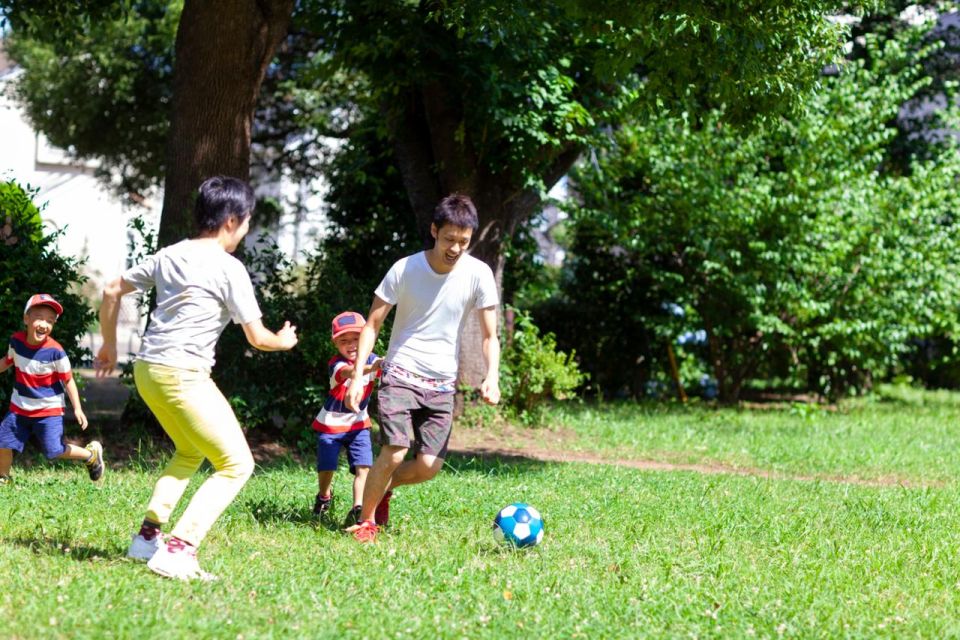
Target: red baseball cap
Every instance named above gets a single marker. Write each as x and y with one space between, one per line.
43 299
347 322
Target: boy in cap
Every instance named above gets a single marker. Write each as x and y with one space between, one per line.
43 376
339 427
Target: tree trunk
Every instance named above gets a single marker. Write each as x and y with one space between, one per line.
436 159
222 52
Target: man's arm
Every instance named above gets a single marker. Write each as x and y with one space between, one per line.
263 339
490 387
368 338
109 312
4 365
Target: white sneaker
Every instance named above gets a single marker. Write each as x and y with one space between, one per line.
181 565
142 549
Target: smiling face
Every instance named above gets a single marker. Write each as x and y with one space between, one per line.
451 243
347 344
39 321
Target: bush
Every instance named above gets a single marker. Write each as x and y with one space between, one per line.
29 263
533 371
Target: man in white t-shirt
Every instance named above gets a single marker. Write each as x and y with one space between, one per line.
433 291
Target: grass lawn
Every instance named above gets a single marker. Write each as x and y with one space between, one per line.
898 434
627 553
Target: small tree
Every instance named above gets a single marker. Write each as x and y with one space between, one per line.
30 263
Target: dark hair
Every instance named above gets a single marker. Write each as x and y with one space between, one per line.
220 197
458 210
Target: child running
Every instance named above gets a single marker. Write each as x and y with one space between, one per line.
43 376
338 427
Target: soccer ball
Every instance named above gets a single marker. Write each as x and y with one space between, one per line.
518 524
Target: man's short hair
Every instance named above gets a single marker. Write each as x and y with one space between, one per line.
458 210
219 198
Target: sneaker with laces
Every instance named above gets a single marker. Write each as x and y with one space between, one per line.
95 463
142 549
366 532
322 504
353 517
382 514
180 565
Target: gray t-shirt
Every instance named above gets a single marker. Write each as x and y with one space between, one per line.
200 288
431 309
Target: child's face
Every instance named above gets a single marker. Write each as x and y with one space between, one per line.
39 321
347 344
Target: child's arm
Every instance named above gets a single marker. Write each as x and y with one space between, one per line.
4 365
74 396
346 371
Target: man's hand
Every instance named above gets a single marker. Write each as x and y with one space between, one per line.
490 391
354 394
81 418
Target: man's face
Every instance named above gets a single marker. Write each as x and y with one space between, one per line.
347 344
451 243
39 321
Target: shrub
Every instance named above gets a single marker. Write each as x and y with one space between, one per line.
30 263
533 371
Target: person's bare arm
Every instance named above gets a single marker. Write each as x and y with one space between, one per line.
74 395
109 312
368 337
263 339
490 387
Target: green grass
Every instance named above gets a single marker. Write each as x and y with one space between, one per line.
626 554
896 435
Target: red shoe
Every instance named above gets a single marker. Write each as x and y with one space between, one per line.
382 514
366 532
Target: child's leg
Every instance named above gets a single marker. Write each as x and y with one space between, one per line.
360 456
324 480
14 433
6 461
73 452
328 455
359 481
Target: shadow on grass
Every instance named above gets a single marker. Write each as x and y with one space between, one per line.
64 547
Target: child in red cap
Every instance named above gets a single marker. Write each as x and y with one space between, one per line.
339 427
43 376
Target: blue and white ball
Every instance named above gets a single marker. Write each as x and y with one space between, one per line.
518 524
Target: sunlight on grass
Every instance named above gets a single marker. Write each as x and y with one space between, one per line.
626 553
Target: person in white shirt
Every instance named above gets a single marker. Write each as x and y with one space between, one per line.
200 288
433 291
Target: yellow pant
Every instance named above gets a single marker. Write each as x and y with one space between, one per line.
201 424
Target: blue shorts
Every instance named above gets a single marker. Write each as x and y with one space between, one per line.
358 445
16 430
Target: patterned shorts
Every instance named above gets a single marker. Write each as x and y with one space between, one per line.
414 417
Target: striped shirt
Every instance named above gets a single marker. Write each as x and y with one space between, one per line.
41 372
335 417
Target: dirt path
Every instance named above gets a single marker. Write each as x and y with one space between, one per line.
104 399
557 446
